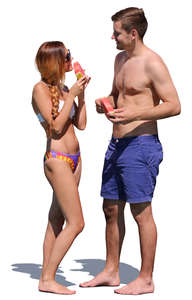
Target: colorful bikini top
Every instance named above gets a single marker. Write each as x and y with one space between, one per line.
61 103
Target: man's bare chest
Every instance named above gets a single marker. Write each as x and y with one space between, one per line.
132 79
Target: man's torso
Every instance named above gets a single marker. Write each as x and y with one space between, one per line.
135 91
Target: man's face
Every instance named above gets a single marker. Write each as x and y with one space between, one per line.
123 39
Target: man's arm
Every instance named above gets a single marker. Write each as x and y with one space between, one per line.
113 96
166 91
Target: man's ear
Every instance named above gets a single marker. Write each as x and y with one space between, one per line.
134 33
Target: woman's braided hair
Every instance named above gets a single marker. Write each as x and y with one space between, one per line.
50 61
54 92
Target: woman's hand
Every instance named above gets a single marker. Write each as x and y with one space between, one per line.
81 96
88 79
78 87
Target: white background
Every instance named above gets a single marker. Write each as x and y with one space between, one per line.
85 27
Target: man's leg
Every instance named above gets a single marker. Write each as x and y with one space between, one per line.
115 231
142 213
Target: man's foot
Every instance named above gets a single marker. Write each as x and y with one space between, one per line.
137 287
103 278
51 286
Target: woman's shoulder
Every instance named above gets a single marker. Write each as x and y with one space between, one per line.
40 92
40 88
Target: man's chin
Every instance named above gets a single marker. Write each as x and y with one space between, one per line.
119 47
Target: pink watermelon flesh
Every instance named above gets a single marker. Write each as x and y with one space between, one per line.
78 69
107 105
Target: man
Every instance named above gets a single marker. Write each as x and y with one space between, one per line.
132 160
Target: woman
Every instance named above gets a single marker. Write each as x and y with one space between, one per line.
57 112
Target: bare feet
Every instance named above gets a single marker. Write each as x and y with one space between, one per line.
51 286
137 287
103 278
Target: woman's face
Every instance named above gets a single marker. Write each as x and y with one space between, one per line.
68 61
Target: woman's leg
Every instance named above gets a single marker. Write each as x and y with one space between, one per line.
54 227
65 186
55 222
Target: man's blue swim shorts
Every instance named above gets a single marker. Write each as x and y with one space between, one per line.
131 167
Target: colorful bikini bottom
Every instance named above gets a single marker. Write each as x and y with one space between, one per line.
72 159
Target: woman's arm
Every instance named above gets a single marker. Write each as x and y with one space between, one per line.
80 119
42 100
61 120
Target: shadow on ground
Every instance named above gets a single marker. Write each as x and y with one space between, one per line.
94 266
91 266
34 270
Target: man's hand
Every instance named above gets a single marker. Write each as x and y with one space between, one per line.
122 115
99 106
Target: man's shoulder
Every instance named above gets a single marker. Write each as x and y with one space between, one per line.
154 65
120 59
153 61
151 58
120 55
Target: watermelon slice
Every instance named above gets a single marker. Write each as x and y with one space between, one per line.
79 72
107 105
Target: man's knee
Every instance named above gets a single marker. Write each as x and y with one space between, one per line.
110 209
141 211
110 212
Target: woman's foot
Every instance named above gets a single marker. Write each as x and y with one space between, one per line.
51 286
137 287
103 278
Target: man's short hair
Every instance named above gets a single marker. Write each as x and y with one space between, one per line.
132 18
